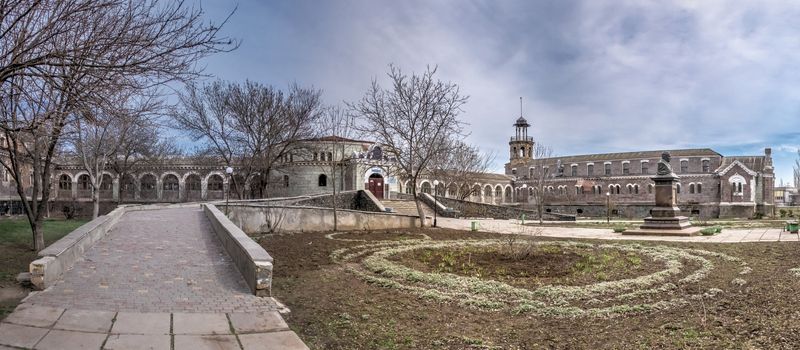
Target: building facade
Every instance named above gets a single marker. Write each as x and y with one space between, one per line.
711 185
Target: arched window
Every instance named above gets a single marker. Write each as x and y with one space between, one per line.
574 170
706 165
678 188
636 189
699 188
487 191
630 187
193 183
64 182
619 188
607 168
426 187
408 187
649 188
330 156
171 183
215 183
645 167
498 191
691 188
322 180
530 172
626 168
285 180
84 183
590 169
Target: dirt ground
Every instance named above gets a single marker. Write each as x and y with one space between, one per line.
334 309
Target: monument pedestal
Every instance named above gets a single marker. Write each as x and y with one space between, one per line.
665 218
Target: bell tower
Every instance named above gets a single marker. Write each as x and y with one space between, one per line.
521 145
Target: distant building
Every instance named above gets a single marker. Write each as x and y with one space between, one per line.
711 185
786 196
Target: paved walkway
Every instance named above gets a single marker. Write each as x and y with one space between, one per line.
726 236
159 280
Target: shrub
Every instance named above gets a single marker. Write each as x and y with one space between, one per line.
782 213
710 231
619 229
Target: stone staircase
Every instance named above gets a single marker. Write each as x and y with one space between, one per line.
407 207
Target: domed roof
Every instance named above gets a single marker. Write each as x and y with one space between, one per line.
521 122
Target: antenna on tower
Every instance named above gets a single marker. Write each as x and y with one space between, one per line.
520 106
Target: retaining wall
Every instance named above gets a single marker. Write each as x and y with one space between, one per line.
254 219
252 261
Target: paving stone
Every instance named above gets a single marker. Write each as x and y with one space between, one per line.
71 340
86 320
206 342
126 270
201 323
34 315
137 342
253 322
141 323
286 340
21 336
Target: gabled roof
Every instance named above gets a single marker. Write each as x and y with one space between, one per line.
752 163
731 164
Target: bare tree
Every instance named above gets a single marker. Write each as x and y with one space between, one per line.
248 126
99 136
463 165
797 171
339 127
539 175
59 56
415 118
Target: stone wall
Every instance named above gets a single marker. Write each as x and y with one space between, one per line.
631 211
352 200
253 219
252 261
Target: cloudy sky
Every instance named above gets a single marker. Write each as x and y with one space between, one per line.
595 76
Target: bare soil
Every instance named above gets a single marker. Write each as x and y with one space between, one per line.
333 309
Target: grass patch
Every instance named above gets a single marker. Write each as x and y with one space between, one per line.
18 230
16 252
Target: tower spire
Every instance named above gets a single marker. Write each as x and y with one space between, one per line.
520 106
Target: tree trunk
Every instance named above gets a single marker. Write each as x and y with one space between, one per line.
95 204
38 235
421 212
335 214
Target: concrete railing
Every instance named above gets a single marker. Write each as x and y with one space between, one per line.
254 219
61 255
252 261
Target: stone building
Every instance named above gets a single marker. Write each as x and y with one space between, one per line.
711 185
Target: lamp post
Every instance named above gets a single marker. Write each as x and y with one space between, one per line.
435 190
608 207
228 171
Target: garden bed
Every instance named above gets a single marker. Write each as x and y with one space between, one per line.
371 290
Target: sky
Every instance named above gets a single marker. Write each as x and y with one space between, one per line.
595 76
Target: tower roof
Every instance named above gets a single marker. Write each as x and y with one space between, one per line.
522 122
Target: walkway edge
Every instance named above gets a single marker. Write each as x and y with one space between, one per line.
252 261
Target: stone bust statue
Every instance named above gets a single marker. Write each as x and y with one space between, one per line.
663 165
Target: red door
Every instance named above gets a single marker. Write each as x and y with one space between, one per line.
375 185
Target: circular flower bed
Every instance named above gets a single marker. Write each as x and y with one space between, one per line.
372 261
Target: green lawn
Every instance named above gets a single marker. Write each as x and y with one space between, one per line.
18 230
16 252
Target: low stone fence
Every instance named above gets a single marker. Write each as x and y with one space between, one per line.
353 200
63 254
252 261
259 218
